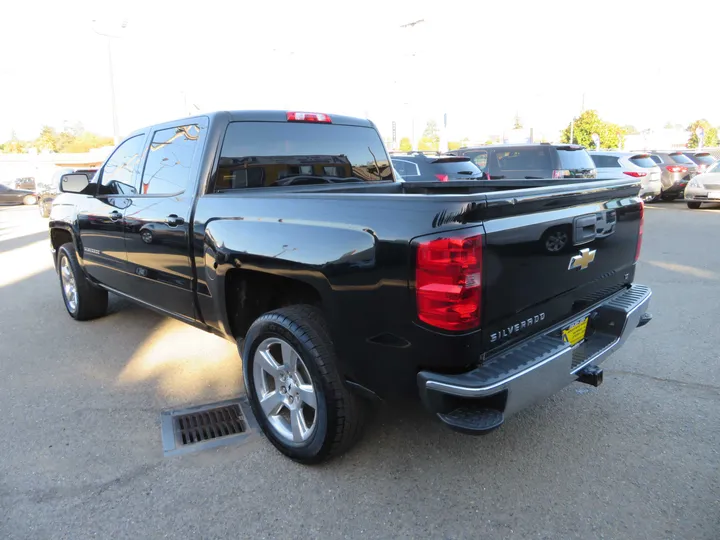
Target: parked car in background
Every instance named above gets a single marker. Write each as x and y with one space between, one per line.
704 187
702 159
419 167
611 164
9 195
48 192
27 183
530 161
677 170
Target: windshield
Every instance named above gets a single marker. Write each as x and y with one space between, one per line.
681 158
575 159
270 154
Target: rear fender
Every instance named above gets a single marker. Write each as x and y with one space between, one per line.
323 256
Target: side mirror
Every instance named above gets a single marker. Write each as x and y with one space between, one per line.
74 183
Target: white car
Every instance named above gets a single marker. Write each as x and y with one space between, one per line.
611 165
704 187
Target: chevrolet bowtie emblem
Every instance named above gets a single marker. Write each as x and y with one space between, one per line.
583 260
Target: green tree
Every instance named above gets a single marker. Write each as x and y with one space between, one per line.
405 145
489 141
427 144
518 123
711 134
83 143
432 135
611 135
47 140
454 145
13 146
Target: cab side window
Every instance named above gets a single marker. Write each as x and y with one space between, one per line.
170 157
119 171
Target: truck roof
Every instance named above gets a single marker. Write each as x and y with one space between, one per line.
261 116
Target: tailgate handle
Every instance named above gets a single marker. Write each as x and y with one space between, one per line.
584 229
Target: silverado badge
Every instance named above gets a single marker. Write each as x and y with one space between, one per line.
583 260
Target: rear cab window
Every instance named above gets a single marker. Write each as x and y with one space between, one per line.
276 154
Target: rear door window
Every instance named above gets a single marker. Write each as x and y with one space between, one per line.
525 159
606 162
171 153
656 159
643 161
575 159
276 154
406 168
479 158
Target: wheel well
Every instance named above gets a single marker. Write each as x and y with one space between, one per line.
58 237
249 294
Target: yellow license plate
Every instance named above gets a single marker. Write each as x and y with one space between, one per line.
576 333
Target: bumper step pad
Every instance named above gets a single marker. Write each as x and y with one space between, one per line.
473 420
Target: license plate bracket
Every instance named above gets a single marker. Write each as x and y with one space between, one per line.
575 333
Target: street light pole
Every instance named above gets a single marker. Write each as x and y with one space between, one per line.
408 26
113 103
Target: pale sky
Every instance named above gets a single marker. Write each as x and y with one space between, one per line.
477 61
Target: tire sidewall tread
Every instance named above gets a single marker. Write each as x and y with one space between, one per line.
340 420
92 301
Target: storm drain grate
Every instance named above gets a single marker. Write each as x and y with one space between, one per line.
206 426
211 424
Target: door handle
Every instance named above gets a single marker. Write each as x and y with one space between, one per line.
173 220
115 215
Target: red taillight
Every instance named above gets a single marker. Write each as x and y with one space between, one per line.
442 177
640 232
308 117
676 168
448 282
635 174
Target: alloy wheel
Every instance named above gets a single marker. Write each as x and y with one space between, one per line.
284 390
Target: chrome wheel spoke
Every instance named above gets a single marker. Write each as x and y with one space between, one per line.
266 362
289 357
307 395
272 403
300 430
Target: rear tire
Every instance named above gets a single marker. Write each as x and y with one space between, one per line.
83 300
29 200
693 205
335 423
668 198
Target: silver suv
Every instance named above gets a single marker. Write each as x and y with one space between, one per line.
612 164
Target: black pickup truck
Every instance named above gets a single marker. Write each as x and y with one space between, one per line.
291 234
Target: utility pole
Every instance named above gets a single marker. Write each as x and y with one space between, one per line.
572 130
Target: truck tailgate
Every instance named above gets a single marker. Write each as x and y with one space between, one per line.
549 256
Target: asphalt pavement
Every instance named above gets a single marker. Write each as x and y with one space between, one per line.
81 453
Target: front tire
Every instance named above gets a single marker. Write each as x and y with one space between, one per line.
83 300
294 387
693 205
29 200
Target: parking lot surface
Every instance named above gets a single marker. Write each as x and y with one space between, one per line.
81 454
